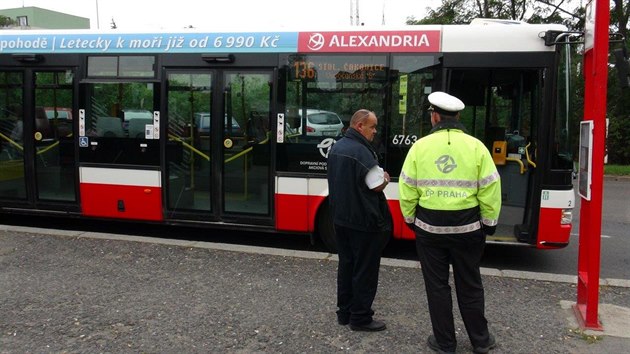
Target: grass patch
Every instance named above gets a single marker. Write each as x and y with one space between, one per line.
617 170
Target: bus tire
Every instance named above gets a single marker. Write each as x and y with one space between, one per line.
326 229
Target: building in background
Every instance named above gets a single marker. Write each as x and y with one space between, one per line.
38 18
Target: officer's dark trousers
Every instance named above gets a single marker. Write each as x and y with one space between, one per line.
357 275
435 252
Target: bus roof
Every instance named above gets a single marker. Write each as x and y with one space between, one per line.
475 37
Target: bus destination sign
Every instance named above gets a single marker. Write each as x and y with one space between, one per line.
334 69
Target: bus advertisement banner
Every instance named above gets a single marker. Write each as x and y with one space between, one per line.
271 42
149 42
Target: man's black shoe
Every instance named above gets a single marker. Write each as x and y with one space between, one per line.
373 326
433 344
483 350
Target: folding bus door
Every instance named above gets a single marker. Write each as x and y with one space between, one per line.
37 151
217 152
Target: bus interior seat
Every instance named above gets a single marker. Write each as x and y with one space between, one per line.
109 127
137 127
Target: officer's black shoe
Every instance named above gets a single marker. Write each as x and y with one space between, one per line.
433 344
343 320
483 350
373 326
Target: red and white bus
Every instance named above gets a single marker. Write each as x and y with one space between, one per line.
232 129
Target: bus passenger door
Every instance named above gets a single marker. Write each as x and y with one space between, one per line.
504 110
246 143
37 154
217 152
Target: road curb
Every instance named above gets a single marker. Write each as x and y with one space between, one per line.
389 262
617 178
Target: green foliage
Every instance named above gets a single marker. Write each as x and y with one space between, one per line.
618 113
463 11
6 21
617 170
619 98
451 12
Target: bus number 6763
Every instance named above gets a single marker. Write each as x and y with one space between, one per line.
400 139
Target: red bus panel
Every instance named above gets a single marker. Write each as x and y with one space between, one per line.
122 202
121 193
555 234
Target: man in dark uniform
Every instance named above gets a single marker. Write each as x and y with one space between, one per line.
361 218
450 195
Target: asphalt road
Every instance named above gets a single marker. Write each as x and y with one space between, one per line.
109 294
615 242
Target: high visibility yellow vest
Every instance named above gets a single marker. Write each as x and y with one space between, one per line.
449 171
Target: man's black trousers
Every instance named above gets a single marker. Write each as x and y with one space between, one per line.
464 251
357 275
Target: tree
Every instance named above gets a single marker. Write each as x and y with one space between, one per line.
532 11
618 99
6 21
619 17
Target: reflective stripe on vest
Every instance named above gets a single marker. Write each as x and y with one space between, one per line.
460 229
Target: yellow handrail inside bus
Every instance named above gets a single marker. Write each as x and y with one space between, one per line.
238 155
192 148
10 141
518 161
246 150
21 148
171 136
206 157
529 161
48 147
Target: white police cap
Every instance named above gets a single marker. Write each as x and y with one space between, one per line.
445 103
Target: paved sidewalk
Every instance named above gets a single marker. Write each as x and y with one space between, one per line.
81 292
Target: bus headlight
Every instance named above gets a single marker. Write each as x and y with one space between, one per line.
567 216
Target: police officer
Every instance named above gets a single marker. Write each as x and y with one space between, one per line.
361 218
450 195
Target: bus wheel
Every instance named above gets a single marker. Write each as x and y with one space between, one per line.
326 230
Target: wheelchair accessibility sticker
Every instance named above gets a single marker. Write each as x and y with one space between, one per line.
83 141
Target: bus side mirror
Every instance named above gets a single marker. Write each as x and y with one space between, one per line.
622 65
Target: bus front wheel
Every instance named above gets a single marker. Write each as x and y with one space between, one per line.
326 229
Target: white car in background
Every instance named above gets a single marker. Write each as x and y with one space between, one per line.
322 123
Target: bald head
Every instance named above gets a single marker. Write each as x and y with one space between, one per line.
359 116
365 122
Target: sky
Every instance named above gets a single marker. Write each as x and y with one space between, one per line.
218 14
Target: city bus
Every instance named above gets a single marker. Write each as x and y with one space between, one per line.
232 129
